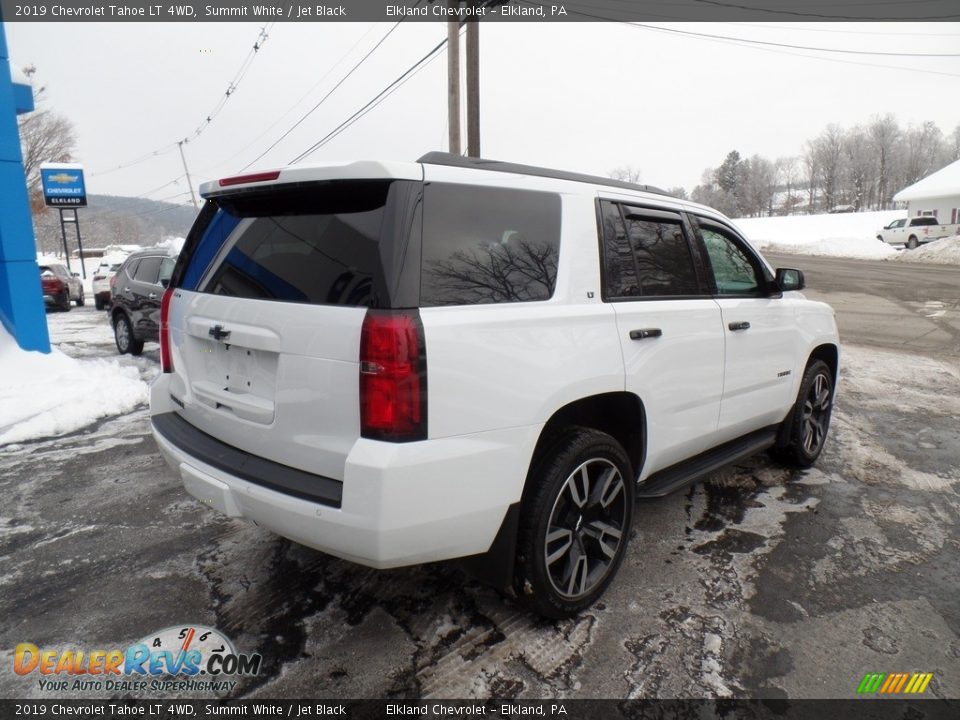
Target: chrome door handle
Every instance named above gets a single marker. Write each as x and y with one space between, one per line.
152 296
739 325
645 333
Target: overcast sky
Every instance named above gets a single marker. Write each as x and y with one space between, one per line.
586 97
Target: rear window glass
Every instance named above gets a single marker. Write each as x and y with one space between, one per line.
488 245
324 243
925 221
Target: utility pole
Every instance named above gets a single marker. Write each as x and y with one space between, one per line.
186 170
453 82
473 88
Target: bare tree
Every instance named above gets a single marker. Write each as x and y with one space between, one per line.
787 171
859 161
759 182
924 151
45 137
708 192
812 166
827 150
627 173
955 143
884 134
504 272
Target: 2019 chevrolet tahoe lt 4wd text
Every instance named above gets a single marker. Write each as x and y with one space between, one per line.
398 363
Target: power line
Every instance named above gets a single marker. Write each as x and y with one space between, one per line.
231 89
793 28
797 13
376 100
235 82
324 98
161 187
302 97
743 42
791 46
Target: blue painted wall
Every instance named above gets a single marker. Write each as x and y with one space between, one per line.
21 298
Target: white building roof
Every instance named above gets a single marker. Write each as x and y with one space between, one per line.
942 183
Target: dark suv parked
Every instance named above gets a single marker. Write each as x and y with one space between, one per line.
136 290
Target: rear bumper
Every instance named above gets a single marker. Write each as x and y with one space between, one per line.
401 504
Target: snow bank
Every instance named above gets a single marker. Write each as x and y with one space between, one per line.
945 251
841 247
43 395
852 235
173 244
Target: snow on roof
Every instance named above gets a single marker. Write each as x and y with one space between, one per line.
942 183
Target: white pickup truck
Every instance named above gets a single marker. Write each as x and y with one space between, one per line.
912 231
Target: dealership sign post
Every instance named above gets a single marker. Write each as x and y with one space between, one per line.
64 189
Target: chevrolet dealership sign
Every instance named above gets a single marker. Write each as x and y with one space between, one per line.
63 185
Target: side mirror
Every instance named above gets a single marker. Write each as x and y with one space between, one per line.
164 282
75 274
789 279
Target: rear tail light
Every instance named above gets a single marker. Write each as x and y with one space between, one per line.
166 358
393 376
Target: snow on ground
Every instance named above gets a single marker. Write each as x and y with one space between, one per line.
852 235
945 251
53 394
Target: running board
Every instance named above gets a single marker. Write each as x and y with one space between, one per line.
677 476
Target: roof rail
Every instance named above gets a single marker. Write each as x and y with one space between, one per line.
452 160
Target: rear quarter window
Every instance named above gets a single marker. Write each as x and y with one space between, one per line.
484 245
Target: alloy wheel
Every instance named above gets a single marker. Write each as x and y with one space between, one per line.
586 525
816 414
123 334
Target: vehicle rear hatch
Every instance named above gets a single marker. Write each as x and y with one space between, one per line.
50 283
270 294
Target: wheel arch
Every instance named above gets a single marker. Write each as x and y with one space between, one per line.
830 354
620 414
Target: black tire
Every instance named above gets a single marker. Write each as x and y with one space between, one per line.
98 302
810 418
912 242
81 299
880 238
65 303
123 336
596 530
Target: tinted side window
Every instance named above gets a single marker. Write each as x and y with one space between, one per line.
619 269
147 270
166 269
662 254
131 268
488 245
733 272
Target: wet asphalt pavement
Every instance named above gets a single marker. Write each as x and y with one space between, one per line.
759 582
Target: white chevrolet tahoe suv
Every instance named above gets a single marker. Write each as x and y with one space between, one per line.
398 363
